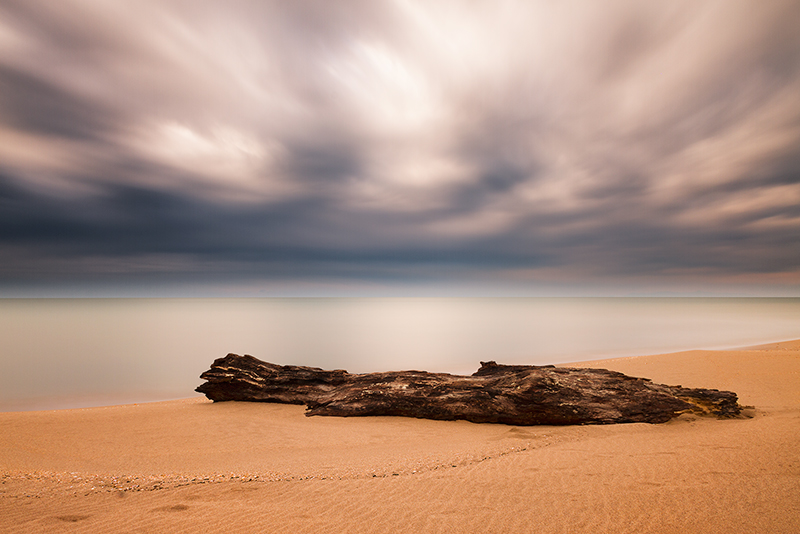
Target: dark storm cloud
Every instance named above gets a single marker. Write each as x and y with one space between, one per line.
522 144
40 107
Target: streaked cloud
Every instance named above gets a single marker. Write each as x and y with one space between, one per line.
521 145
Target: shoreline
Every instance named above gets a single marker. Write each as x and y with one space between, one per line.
180 465
81 402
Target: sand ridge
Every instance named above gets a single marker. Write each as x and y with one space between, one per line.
240 467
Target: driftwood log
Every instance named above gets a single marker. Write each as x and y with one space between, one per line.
510 394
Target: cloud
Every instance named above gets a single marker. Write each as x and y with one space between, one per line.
399 140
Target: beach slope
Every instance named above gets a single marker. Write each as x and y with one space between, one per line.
190 465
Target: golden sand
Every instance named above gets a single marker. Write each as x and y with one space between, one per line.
190 465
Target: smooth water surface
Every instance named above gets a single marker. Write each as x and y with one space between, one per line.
57 353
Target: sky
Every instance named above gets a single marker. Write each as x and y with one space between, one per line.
272 148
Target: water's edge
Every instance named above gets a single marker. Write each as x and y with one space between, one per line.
57 353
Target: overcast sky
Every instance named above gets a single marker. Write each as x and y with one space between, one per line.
399 147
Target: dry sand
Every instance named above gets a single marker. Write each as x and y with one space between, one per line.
189 466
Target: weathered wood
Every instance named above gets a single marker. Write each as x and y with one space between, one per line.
510 394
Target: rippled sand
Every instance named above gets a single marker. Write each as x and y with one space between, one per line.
190 465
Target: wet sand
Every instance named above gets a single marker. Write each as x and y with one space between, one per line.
189 465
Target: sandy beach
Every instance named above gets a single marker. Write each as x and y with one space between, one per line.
191 465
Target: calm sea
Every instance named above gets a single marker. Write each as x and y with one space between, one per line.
67 353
